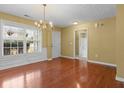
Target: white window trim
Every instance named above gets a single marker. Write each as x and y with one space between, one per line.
24 26
1 43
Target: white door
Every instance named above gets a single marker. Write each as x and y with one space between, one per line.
56 44
83 45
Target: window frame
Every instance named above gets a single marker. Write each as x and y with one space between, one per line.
25 27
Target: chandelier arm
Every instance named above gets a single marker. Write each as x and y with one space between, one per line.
44 5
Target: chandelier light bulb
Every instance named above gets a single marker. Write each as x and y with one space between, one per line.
36 23
41 21
51 24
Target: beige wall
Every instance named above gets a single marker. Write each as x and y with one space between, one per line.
101 41
46 36
120 41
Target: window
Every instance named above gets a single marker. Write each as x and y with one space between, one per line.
20 40
13 47
31 41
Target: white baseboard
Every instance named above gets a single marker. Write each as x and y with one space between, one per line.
49 59
103 63
92 61
68 57
77 58
121 79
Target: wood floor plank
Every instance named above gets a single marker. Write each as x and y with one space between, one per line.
60 73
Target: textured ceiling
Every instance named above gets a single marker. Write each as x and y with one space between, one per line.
62 14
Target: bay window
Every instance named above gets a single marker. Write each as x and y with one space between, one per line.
20 39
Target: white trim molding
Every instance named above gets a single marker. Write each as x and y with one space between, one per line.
92 61
24 59
121 79
77 58
74 32
102 63
49 59
68 57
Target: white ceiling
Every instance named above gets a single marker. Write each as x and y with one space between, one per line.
62 14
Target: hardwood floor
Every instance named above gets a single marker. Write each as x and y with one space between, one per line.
62 73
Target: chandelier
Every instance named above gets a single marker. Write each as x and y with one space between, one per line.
43 24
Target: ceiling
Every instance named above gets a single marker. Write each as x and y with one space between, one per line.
61 14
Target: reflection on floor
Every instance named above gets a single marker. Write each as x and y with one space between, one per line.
60 72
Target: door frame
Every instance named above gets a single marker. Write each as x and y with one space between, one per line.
80 41
80 30
52 43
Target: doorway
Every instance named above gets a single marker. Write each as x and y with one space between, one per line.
56 43
81 44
